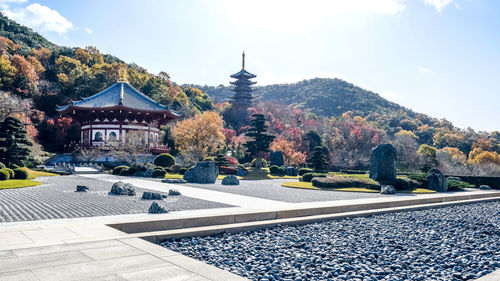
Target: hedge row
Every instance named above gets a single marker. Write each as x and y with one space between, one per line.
337 182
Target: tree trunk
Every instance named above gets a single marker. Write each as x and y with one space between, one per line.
258 163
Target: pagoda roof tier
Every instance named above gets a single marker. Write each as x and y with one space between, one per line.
243 74
244 82
119 95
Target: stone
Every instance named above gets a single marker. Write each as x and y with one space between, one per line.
387 189
230 180
174 192
242 172
383 163
82 188
203 172
276 158
437 181
152 196
173 181
121 188
291 171
484 187
155 208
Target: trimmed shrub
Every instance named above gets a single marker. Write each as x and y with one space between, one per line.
224 170
118 169
159 173
11 172
164 160
277 171
405 183
354 172
209 158
303 171
493 182
4 175
309 176
183 170
337 182
264 163
454 185
20 174
2 165
174 169
125 172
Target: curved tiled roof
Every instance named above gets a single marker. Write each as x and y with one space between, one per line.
119 94
243 74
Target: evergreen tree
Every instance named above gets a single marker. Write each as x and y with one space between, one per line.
14 145
318 160
220 160
261 141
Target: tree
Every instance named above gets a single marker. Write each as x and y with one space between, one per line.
261 141
14 145
7 72
290 155
318 161
26 76
312 139
429 154
221 160
199 136
133 150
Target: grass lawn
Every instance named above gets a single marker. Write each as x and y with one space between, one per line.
308 185
18 183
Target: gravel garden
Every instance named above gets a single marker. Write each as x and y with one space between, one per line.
451 243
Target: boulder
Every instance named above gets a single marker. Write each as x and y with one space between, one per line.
276 158
484 187
174 191
437 181
82 188
230 180
291 171
387 189
242 172
152 196
203 172
173 181
120 188
383 163
155 208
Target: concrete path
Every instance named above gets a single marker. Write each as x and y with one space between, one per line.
199 193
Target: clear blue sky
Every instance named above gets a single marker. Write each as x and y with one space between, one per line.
439 57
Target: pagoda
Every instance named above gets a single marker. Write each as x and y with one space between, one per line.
107 117
243 98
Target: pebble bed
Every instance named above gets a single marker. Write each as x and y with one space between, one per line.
453 243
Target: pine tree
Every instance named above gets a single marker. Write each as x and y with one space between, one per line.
14 145
261 141
317 161
220 160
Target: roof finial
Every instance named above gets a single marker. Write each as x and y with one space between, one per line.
243 60
122 73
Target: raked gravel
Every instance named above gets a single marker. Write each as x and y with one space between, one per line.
56 198
459 242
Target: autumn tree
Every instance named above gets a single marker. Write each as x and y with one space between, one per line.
26 75
199 136
7 72
429 154
258 146
290 155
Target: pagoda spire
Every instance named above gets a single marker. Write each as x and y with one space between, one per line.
243 60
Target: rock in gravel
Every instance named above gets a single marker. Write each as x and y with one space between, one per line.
82 188
174 192
155 208
121 188
383 163
437 181
291 171
173 181
203 172
146 195
387 189
230 180
484 187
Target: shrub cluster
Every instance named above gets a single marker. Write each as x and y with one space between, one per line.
20 174
174 169
164 160
224 170
159 172
118 169
303 171
309 176
264 163
11 172
337 182
183 170
456 185
4 175
277 171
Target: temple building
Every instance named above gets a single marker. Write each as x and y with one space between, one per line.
107 117
243 98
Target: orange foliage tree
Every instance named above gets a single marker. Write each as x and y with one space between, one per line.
290 155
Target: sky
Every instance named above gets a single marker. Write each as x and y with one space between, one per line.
439 57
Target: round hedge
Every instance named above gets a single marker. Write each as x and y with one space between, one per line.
4 175
157 173
118 169
11 172
164 160
277 171
303 171
309 176
20 174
